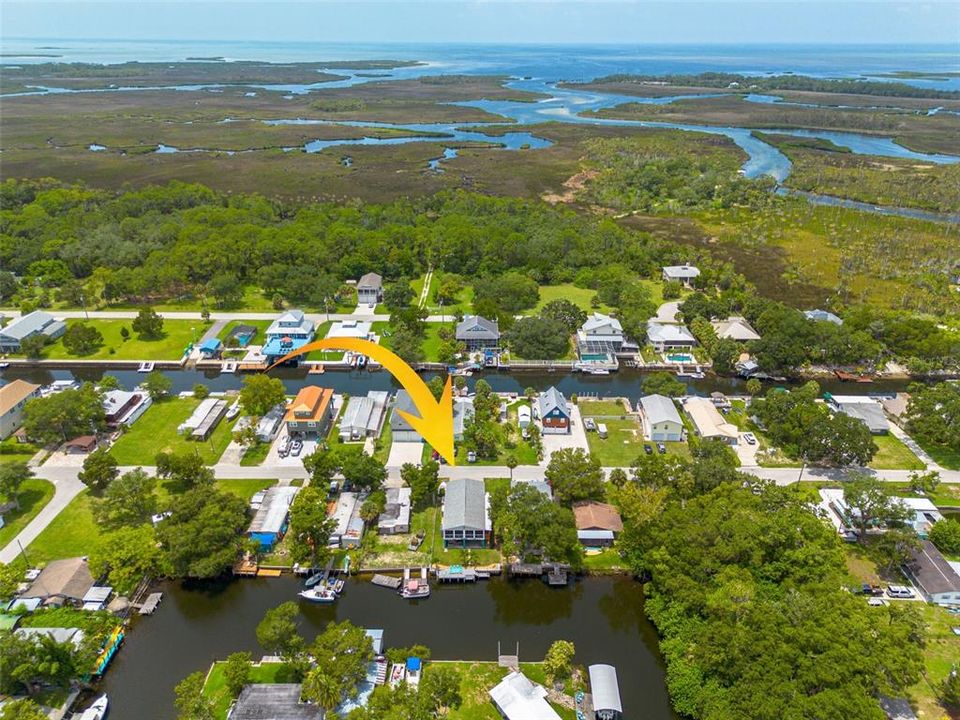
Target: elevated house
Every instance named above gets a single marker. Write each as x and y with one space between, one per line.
363 416
462 411
933 575
401 430
660 419
554 411
516 697
600 334
598 524
735 328
395 518
311 411
709 423
684 274
29 325
466 514
862 407
288 333
61 582
370 289
13 397
124 408
669 336
477 333
273 701
272 517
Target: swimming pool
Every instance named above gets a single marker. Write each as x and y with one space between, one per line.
680 357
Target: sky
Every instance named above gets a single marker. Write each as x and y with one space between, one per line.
491 21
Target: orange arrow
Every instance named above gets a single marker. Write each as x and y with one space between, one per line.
435 423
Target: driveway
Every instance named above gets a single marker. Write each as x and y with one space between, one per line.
577 438
746 452
402 453
667 313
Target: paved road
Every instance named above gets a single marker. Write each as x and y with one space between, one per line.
361 313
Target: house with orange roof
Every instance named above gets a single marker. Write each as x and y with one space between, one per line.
311 411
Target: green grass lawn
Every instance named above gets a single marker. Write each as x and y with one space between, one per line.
894 455
384 442
215 687
768 455
579 296
34 495
945 457
13 451
156 431
944 496
430 344
939 656
253 301
245 488
417 286
607 559
178 334
623 445
331 355
255 454
601 408
476 680
71 533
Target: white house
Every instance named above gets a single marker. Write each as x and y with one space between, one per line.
35 323
685 274
665 336
516 697
661 421
600 334
370 289
735 328
708 422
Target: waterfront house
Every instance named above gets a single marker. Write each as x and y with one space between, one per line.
124 408
348 525
395 518
204 419
288 333
923 514
523 416
353 329
667 336
210 348
462 411
370 289
554 412
61 635
600 334
862 407
13 396
269 424
822 316
936 579
61 582
273 701
735 328
477 333
660 419
363 416
516 697
684 274
35 323
598 524
270 521
605 692
311 411
401 430
466 514
709 423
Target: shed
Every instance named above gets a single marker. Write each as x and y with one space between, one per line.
270 522
605 691
97 597
82 444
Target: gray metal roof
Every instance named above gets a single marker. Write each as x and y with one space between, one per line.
550 399
273 701
822 315
681 271
465 505
660 408
604 688
273 511
404 402
370 281
666 332
599 321
932 572
462 409
31 323
476 327
870 414
363 413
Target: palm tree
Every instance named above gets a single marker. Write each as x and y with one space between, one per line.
322 689
511 463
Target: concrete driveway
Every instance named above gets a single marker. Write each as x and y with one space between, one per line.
667 313
577 438
746 452
402 453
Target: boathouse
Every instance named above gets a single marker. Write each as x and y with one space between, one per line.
605 691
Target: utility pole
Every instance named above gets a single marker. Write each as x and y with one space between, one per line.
23 552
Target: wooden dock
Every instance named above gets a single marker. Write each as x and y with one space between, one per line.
151 604
456 574
393 583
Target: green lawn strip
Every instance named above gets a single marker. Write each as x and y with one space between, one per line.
623 445
606 560
417 286
456 555
34 495
13 451
245 488
253 300
384 442
430 344
894 455
463 302
70 534
944 496
330 355
945 457
178 334
601 408
939 656
581 297
156 431
215 687
255 454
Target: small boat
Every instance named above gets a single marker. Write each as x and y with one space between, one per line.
145 367
97 711
316 369
361 362
314 579
318 595
233 410
338 588
415 589
397 674
4 365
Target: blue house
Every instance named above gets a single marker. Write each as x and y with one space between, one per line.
210 348
288 333
270 522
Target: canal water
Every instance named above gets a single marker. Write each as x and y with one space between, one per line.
197 624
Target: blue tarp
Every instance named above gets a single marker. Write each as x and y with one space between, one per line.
413 664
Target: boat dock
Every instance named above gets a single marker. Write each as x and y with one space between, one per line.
151 604
392 583
456 574
557 574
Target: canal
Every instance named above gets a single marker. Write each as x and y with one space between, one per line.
201 622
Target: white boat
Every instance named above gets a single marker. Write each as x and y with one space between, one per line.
145 367
97 711
314 579
233 411
397 674
321 595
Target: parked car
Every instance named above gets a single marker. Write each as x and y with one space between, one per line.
876 601
471 456
750 438
661 448
295 447
647 449
899 591
868 589
590 424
